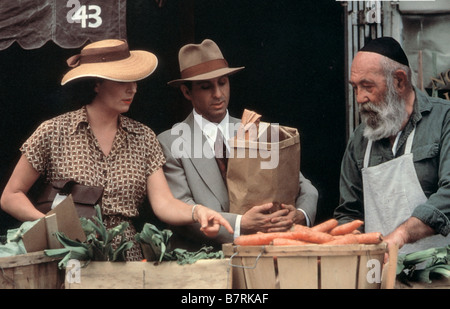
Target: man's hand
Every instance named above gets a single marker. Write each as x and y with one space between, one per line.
409 231
297 216
262 219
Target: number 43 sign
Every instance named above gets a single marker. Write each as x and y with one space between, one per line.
86 15
68 23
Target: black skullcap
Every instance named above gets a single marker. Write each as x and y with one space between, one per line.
388 47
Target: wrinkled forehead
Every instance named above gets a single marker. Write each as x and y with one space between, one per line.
366 65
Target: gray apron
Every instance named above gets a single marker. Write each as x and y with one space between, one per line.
391 192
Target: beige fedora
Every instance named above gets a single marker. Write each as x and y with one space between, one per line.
202 62
111 59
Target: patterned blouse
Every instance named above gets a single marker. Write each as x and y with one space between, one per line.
65 148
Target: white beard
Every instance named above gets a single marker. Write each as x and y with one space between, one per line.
385 118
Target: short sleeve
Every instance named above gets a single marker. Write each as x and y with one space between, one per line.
156 158
37 147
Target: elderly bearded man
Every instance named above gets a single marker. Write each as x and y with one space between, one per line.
395 173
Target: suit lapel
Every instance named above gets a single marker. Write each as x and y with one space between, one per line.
206 165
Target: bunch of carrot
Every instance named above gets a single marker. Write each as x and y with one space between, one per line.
328 233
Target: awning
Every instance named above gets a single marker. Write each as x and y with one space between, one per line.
68 23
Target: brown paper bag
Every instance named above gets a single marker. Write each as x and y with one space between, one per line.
265 169
68 222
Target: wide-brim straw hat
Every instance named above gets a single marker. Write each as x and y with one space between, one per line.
202 62
111 59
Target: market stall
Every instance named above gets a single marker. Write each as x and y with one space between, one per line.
70 24
322 257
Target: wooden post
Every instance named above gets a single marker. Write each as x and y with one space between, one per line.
420 72
390 269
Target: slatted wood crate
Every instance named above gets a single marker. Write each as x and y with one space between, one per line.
203 274
30 271
308 266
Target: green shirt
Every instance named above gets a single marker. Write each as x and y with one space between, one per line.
431 152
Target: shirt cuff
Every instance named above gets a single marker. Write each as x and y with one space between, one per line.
433 218
237 226
308 222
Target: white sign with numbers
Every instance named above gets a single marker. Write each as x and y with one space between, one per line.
87 15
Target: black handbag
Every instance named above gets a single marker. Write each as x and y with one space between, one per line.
84 197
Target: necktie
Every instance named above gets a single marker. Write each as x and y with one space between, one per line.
221 154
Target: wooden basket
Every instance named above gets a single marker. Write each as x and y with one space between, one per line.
31 271
308 266
203 274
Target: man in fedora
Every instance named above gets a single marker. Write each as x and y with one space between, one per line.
193 174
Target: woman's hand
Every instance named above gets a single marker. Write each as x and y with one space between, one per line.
210 220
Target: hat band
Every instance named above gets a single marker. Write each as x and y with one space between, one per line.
204 67
98 55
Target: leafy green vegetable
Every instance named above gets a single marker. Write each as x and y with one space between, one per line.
12 242
98 245
155 244
424 265
185 257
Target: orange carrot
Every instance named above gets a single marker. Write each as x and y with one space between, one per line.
346 228
299 232
299 227
369 238
325 226
343 240
260 239
288 242
308 235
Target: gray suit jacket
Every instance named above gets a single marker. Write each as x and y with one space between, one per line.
194 177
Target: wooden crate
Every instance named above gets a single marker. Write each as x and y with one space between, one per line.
31 271
203 274
307 266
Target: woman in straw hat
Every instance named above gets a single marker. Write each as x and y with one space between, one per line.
97 146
